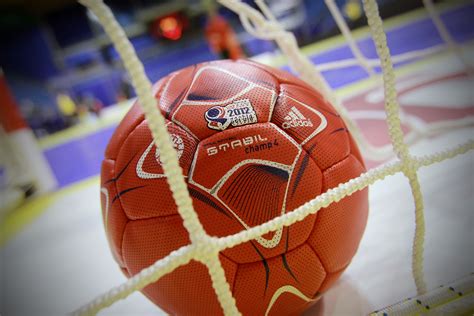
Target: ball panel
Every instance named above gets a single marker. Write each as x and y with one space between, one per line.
174 90
159 85
300 120
256 192
222 98
188 289
142 175
260 286
339 227
306 182
309 97
285 305
355 151
249 252
112 213
330 279
262 143
249 72
147 240
281 75
312 123
218 221
213 83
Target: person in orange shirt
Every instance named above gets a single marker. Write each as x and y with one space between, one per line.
222 38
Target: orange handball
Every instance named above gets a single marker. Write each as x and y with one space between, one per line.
254 143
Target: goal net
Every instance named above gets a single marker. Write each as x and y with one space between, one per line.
262 24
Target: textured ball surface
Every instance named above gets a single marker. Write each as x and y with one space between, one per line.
254 143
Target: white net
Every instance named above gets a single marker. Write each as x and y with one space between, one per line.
205 248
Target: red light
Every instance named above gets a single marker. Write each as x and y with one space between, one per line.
171 28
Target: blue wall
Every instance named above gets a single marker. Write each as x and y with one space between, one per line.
27 53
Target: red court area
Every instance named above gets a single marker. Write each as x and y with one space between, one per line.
425 97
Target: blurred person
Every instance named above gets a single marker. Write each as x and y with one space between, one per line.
34 115
89 104
96 107
51 120
353 9
125 89
221 37
83 107
67 107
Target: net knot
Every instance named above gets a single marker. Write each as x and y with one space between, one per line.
206 248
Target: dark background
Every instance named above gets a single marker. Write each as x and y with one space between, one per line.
55 46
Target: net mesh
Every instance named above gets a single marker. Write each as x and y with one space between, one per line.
262 24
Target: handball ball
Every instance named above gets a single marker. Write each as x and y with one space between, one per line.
254 143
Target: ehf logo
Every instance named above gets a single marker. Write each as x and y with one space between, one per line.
178 145
237 113
143 166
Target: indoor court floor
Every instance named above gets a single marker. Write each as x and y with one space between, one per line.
55 257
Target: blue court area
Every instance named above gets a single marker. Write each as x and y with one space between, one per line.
75 159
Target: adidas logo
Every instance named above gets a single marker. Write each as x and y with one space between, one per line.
295 118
